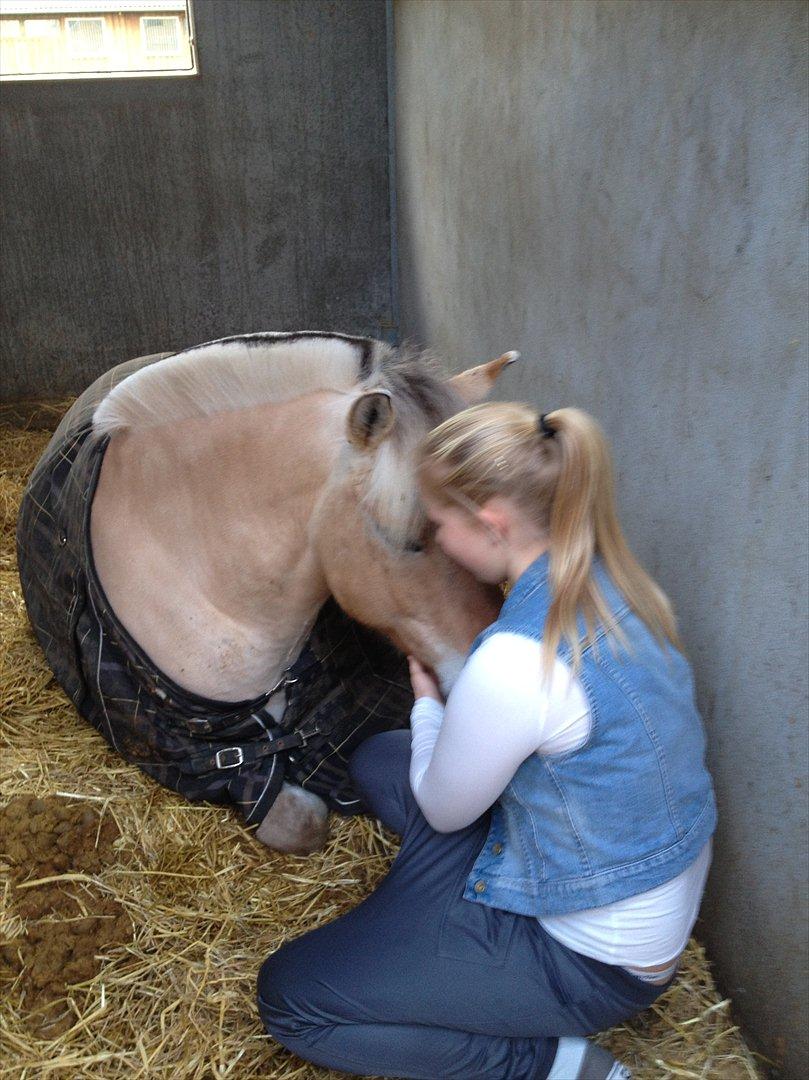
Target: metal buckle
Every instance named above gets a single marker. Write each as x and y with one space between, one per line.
307 735
220 761
282 684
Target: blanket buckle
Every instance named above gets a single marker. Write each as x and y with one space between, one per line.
223 763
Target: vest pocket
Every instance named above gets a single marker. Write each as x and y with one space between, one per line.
474 932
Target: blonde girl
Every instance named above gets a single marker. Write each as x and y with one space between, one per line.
555 810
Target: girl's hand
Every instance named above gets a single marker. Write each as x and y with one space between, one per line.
424 682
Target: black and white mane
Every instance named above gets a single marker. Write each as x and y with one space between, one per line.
238 372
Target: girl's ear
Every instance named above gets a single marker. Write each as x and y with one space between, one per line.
495 518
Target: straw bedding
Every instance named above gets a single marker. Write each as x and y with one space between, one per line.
133 923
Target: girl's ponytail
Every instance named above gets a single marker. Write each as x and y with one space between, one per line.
579 450
583 523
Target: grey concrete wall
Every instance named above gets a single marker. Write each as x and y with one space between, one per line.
142 215
619 191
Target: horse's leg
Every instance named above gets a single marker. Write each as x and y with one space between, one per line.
297 822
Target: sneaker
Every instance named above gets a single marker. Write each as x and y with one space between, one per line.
579 1059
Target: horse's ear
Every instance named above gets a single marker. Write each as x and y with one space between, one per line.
474 384
370 419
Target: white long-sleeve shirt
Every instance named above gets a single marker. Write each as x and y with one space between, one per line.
465 753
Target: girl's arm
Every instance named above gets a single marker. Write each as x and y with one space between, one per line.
465 753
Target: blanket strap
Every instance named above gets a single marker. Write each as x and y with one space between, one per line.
318 721
231 757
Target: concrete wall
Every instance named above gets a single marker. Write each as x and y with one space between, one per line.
619 191
148 214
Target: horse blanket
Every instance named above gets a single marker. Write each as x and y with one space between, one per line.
347 684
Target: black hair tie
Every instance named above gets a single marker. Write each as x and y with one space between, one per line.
545 429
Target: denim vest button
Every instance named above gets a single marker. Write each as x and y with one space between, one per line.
480 886
497 848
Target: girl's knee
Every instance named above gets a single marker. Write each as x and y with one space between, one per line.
281 993
290 1012
269 986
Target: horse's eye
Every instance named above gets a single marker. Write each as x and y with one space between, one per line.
419 545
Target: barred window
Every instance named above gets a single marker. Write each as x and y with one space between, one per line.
85 37
161 37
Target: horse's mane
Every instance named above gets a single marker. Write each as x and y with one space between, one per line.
251 369
232 373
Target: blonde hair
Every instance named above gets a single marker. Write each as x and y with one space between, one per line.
558 471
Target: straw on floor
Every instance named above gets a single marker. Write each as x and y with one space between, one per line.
133 923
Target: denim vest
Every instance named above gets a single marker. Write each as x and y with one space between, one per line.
627 811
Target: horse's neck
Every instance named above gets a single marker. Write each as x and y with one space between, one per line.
199 532
237 489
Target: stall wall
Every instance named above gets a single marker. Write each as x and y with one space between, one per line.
618 190
141 215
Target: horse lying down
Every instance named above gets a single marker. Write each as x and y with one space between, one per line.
224 559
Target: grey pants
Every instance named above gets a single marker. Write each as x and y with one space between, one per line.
418 982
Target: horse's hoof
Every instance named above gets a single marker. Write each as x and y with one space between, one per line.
297 822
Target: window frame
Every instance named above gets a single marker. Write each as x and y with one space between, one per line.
52 31
72 43
193 70
162 18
